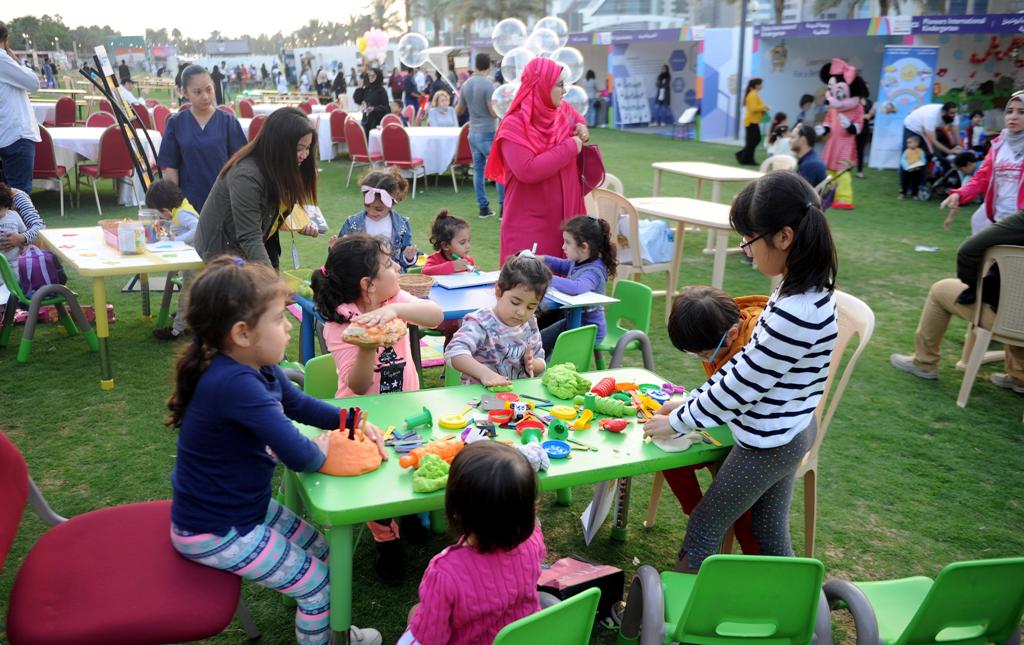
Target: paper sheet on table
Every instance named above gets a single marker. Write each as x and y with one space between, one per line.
466 279
167 246
596 512
587 299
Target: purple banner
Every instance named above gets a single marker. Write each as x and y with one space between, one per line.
896 26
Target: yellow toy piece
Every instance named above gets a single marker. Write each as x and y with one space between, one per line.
564 412
584 421
455 421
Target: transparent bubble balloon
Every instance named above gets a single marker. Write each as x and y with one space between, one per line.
572 60
543 42
508 34
501 98
557 25
514 62
411 49
576 96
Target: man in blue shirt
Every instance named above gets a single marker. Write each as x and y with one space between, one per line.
411 91
809 164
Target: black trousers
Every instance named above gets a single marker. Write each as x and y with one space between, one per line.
753 138
1009 230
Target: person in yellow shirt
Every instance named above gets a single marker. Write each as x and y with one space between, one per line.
754 111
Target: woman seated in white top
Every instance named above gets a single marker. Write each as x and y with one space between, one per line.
441 114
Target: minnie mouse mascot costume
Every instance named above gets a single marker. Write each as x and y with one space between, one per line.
845 118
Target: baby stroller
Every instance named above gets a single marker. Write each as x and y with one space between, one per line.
827 189
941 176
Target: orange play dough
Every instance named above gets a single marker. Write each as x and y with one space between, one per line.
350 457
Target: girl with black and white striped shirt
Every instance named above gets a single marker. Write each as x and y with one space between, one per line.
766 393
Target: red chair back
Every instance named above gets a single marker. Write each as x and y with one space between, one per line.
160 116
184 106
14 483
256 126
106 107
245 109
394 143
418 121
152 103
408 113
313 102
390 119
355 138
331 107
46 159
305 107
142 112
115 160
226 108
64 112
338 118
464 154
100 120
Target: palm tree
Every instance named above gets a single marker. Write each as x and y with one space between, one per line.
384 15
434 11
469 11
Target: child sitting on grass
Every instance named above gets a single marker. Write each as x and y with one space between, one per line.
488 578
381 191
496 346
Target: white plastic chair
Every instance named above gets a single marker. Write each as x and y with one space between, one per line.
685 122
854 318
1008 324
612 183
611 207
778 162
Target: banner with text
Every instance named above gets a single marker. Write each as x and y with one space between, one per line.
906 84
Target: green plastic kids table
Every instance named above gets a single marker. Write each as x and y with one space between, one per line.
340 504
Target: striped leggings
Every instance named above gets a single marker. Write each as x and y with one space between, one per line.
284 553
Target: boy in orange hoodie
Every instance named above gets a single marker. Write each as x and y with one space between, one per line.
709 324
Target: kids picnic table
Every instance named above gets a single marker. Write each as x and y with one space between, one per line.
85 251
339 505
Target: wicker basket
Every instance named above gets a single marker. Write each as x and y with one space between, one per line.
416 283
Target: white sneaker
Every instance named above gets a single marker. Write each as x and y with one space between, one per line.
364 636
905 363
1007 382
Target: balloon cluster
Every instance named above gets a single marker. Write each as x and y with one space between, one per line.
518 47
373 45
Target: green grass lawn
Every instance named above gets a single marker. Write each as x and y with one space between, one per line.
908 481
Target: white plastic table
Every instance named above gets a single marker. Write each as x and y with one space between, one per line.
435 146
683 210
322 123
73 144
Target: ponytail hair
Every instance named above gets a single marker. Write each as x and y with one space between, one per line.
597 234
446 226
783 198
751 86
227 291
339 280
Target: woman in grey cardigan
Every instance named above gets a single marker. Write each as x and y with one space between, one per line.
257 189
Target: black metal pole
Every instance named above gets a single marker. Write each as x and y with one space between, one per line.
739 68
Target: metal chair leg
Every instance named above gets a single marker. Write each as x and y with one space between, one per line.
645 349
244 616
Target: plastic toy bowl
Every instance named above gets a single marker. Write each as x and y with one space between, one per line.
563 412
500 417
507 396
556 449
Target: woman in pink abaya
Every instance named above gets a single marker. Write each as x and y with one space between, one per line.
534 155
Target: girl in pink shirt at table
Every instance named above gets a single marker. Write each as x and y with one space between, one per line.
487 579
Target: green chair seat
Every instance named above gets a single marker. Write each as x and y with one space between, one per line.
895 602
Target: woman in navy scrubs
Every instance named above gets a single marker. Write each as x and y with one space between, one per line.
199 141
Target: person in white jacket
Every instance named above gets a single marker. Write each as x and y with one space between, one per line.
19 132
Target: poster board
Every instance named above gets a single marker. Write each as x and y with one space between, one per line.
631 104
906 83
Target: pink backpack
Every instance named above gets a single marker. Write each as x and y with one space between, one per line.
38 268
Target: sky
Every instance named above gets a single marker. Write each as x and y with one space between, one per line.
195 18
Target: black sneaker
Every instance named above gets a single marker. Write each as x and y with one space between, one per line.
967 297
486 212
390 565
169 333
412 528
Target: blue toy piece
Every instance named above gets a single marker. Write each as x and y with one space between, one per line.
659 395
556 449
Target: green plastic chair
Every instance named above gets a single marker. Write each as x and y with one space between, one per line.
634 304
733 599
980 601
452 376
56 295
566 623
321 379
575 346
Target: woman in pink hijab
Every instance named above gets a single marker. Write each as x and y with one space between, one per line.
534 156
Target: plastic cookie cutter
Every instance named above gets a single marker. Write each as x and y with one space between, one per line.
584 421
673 389
564 412
455 421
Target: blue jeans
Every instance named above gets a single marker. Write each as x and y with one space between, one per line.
480 144
17 160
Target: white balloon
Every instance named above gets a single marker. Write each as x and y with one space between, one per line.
557 25
514 62
576 96
572 60
411 49
501 98
542 41
508 34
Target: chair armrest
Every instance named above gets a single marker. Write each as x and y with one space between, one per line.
547 600
844 593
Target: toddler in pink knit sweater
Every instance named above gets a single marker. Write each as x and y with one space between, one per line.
488 578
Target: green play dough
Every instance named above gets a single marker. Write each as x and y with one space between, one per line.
500 388
564 382
431 475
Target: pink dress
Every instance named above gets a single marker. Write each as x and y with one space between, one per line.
841 148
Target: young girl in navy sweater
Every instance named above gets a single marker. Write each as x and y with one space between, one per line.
233 406
768 392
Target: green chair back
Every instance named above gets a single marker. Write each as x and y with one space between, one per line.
575 346
762 599
452 376
566 623
980 601
635 301
321 377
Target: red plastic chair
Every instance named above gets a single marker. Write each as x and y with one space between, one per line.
418 121
132 588
160 115
390 119
152 103
256 126
331 107
305 107
100 120
245 109
106 107
142 113
313 102
408 113
46 165
226 108
114 162
463 155
358 150
338 118
394 142
63 114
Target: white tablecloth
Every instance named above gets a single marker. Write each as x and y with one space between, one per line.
435 146
72 144
267 108
44 111
322 123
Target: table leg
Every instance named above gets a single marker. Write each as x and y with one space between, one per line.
716 196
339 538
716 192
657 182
438 522
574 318
620 522
718 267
163 319
144 288
99 302
563 496
307 337
700 187
673 273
